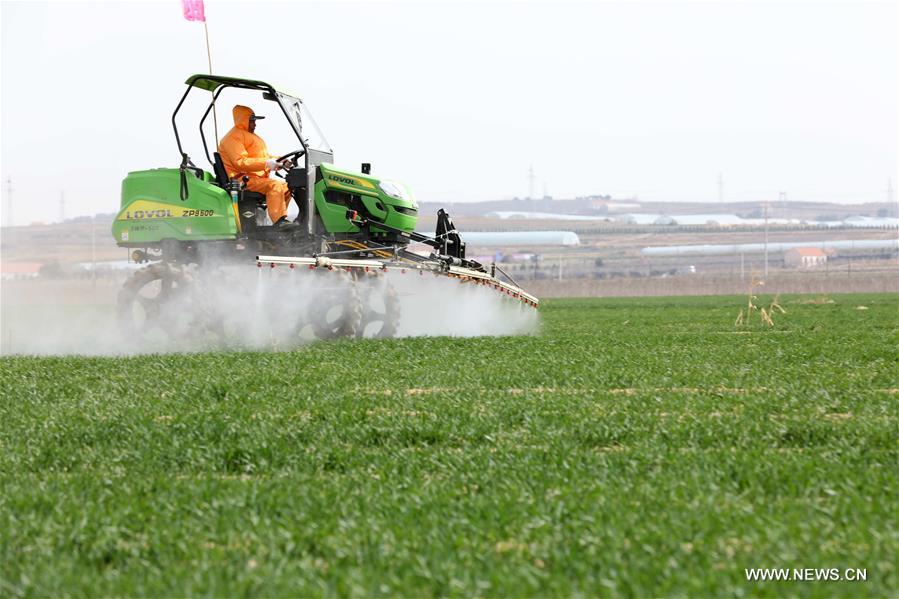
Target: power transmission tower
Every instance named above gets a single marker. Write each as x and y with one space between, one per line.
10 231
890 201
94 251
9 220
531 182
782 200
720 188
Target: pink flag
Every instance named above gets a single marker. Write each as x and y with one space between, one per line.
193 10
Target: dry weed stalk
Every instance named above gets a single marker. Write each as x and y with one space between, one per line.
766 315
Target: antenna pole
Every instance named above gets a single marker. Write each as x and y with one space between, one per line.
215 118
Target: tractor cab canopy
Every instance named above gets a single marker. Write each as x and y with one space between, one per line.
302 124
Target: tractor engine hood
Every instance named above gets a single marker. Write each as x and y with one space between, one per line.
392 193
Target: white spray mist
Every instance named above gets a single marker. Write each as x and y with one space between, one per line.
245 308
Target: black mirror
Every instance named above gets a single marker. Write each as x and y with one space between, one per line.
366 168
269 96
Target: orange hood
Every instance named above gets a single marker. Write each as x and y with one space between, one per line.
242 116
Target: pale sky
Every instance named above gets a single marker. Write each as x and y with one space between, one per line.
458 99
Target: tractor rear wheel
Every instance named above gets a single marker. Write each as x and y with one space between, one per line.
155 302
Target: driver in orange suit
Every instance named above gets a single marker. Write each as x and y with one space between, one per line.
245 154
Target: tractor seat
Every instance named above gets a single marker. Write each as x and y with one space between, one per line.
221 176
221 179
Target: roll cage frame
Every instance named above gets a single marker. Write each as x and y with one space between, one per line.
446 241
216 84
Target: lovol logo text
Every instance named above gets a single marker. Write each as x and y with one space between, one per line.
344 180
139 214
165 213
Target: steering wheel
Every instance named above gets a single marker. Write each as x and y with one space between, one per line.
292 155
293 158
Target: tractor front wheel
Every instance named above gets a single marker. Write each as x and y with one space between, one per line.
381 308
336 311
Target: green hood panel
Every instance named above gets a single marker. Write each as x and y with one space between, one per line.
355 182
401 213
349 181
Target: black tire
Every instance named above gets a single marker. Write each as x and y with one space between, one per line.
337 311
153 290
381 309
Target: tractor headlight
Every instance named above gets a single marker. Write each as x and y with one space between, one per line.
398 191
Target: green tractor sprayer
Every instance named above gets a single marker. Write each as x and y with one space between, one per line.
191 225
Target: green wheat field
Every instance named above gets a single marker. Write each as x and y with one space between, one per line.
635 447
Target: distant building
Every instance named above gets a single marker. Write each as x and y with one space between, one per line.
644 219
805 258
10 271
523 215
607 204
520 238
877 222
613 206
710 220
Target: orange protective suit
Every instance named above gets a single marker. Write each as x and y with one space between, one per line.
245 153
